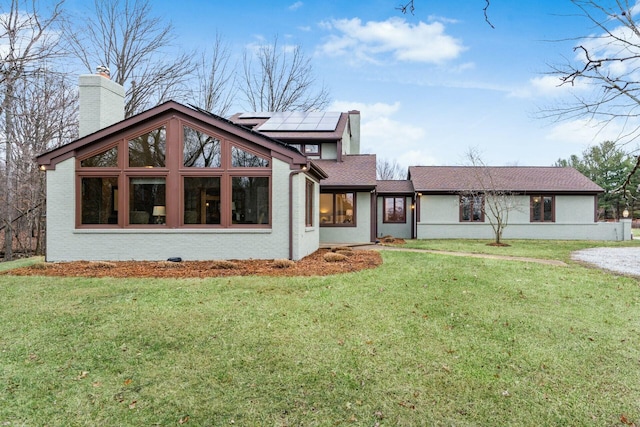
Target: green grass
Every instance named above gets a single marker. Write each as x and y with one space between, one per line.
545 249
425 339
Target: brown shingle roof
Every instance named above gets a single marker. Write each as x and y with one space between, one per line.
353 171
516 179
394 186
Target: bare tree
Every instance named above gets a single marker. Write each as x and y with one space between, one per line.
44 117
389 169
29 40
282 80
485 193
215 87
125 36
605 68
410 7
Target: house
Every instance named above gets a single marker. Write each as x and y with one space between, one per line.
177 181
540 202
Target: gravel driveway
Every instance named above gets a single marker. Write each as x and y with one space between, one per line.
620 260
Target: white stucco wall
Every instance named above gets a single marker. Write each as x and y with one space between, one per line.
65 243
306 240
439 219
402 230
359 234
329 151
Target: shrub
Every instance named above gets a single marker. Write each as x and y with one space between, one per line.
334 257
283 263
223 265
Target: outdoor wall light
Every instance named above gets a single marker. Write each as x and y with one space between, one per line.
625 213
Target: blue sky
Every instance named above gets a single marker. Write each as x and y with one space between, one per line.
429 86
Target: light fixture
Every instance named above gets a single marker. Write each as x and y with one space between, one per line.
625 213
159 211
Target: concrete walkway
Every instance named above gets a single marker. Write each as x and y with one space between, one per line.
463 254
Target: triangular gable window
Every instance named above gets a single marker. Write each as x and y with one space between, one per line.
244 159
149 149
200 150
106 159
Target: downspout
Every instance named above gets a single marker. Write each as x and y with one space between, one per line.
416 214
373 236
291 175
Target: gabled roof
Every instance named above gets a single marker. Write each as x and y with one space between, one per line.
388 186
161 112
520 179
354 171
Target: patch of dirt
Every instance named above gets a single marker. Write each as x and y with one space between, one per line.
312 265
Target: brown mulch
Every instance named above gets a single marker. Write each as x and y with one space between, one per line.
312 265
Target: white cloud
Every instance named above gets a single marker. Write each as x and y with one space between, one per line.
381 133
295 6
370 41
585 132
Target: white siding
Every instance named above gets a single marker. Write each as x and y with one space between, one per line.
359 234
306 240
439 219
65 243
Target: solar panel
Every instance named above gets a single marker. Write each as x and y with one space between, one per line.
288 121
256 115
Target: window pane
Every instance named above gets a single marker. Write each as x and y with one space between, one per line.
466 208
147 201
107 159
250 200
548 209
477 208
309 203
536 208
394 209
311 149
326 208
344 208
99 201
148 150
244 159
202 200
200 150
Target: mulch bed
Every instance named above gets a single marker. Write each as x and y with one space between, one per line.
312 265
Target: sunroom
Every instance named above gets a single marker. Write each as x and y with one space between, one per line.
179 182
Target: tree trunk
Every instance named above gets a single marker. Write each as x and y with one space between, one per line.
9 187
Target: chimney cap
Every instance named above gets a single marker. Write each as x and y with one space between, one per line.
103 71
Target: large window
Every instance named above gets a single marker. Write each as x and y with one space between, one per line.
337 209
174 175
250 200
394 210
202 200
147 200
99 200
471 208
542 208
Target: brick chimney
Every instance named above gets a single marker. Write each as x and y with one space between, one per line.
101 101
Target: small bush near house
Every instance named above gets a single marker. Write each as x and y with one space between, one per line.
223 265
283 263
334 257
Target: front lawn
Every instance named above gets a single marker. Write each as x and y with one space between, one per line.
425 339
545 249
